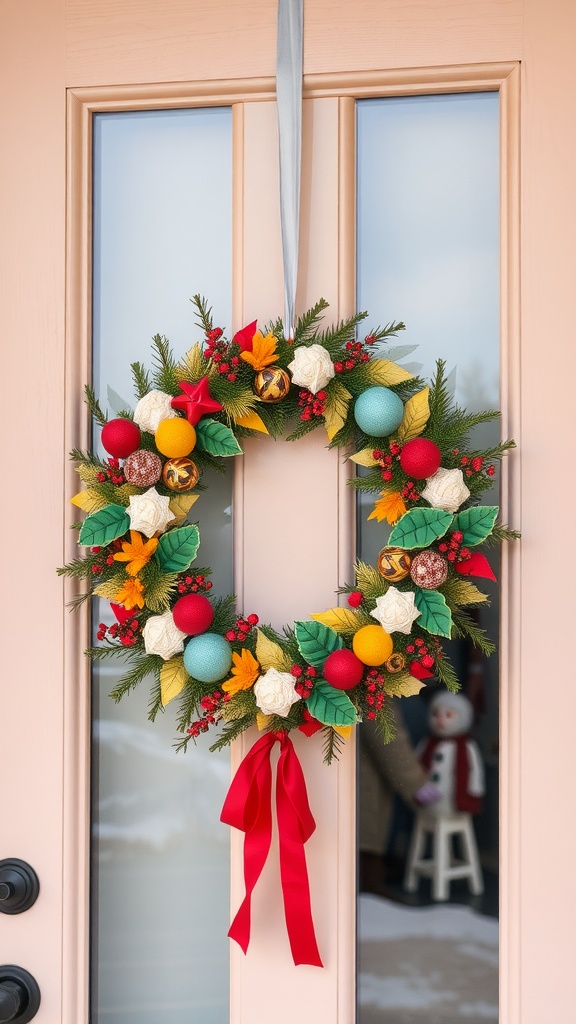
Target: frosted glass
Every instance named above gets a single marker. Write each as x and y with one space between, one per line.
427 251
162 231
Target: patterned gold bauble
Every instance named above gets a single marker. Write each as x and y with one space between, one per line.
394 564
272 384
180 474
395 662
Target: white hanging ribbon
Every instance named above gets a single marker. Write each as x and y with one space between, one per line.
289 100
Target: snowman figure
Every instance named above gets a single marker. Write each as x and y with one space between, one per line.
451 758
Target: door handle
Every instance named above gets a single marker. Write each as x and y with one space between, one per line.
19 995
19 886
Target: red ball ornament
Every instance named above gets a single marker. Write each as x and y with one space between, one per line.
193 614
120 438
343 670
420 458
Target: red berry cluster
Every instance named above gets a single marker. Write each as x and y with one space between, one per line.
219 351
421 653
311 405
305 677
375 693
475 465
386 459
355 353
106 557
243 627
112 473
126 632
192 584
452 547
209 704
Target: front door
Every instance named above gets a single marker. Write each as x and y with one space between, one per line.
62 62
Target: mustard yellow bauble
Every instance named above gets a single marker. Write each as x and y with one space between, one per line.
175 438
373 645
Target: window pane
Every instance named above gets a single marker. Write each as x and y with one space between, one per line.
428 238
162 231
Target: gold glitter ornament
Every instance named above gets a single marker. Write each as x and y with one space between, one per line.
272 384
395 662
180 474
394 564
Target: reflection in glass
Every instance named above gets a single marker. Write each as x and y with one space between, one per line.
428 170
162 231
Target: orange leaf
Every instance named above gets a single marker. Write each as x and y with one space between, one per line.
244 673
263 351
390 507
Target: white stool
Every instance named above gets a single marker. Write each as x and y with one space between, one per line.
442 867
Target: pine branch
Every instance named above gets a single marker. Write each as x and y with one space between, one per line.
111 651
446 674
141 379
94 406
304 427
332 743
155 701
204 311
389 331
464 625
231 732
372 483
385 721
369 581
145 665
79 568
306 324
224 614
500 534
336 336
165 374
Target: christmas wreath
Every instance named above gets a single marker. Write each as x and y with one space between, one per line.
339 666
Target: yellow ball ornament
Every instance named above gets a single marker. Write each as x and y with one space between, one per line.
372 645
175 438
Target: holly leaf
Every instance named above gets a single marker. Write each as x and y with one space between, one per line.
342 620
180 506
420 527
330 706
364 458
316 642
89 500
216 438
270 654
104 526
403 685
177 548
476 565
476 523
416 416
252 421
387 373
435 616
173 679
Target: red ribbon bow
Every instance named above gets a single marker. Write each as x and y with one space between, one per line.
248 807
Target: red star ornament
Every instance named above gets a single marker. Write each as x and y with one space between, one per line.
195 401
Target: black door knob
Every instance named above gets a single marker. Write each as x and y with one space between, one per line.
19 886
19 995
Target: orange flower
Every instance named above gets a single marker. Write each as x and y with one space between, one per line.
136 552
244 674
263 351
130 595
390 507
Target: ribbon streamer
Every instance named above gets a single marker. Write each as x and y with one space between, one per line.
248 807
289 102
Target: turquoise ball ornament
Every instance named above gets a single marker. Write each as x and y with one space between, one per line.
208 657
378 411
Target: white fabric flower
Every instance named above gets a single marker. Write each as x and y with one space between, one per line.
152 409
311 367
149 512
446 489
396 611
162 636
275 692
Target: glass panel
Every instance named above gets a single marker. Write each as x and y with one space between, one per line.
428 237
162 231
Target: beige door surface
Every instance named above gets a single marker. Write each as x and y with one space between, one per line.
61 60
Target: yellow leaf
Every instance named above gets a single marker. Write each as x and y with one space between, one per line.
465 592
416 415
390 507
89 501
262 720
387 373
253 422
343 730
336 408
402 685
364 458
340 619
111 587
263 351
173 678
333 422
270 655
180 506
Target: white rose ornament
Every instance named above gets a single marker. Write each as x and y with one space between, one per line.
396 611
311 367
446 489
162 636
152 409
275 692
149 512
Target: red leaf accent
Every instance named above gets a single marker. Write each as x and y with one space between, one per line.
310 725
245 336
418 671
122 614
476 565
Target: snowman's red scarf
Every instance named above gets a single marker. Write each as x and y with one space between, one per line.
464 800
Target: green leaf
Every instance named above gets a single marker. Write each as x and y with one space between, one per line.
435 614
420 527
330 706
316 642
104 526
216 438
177 548
476 523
